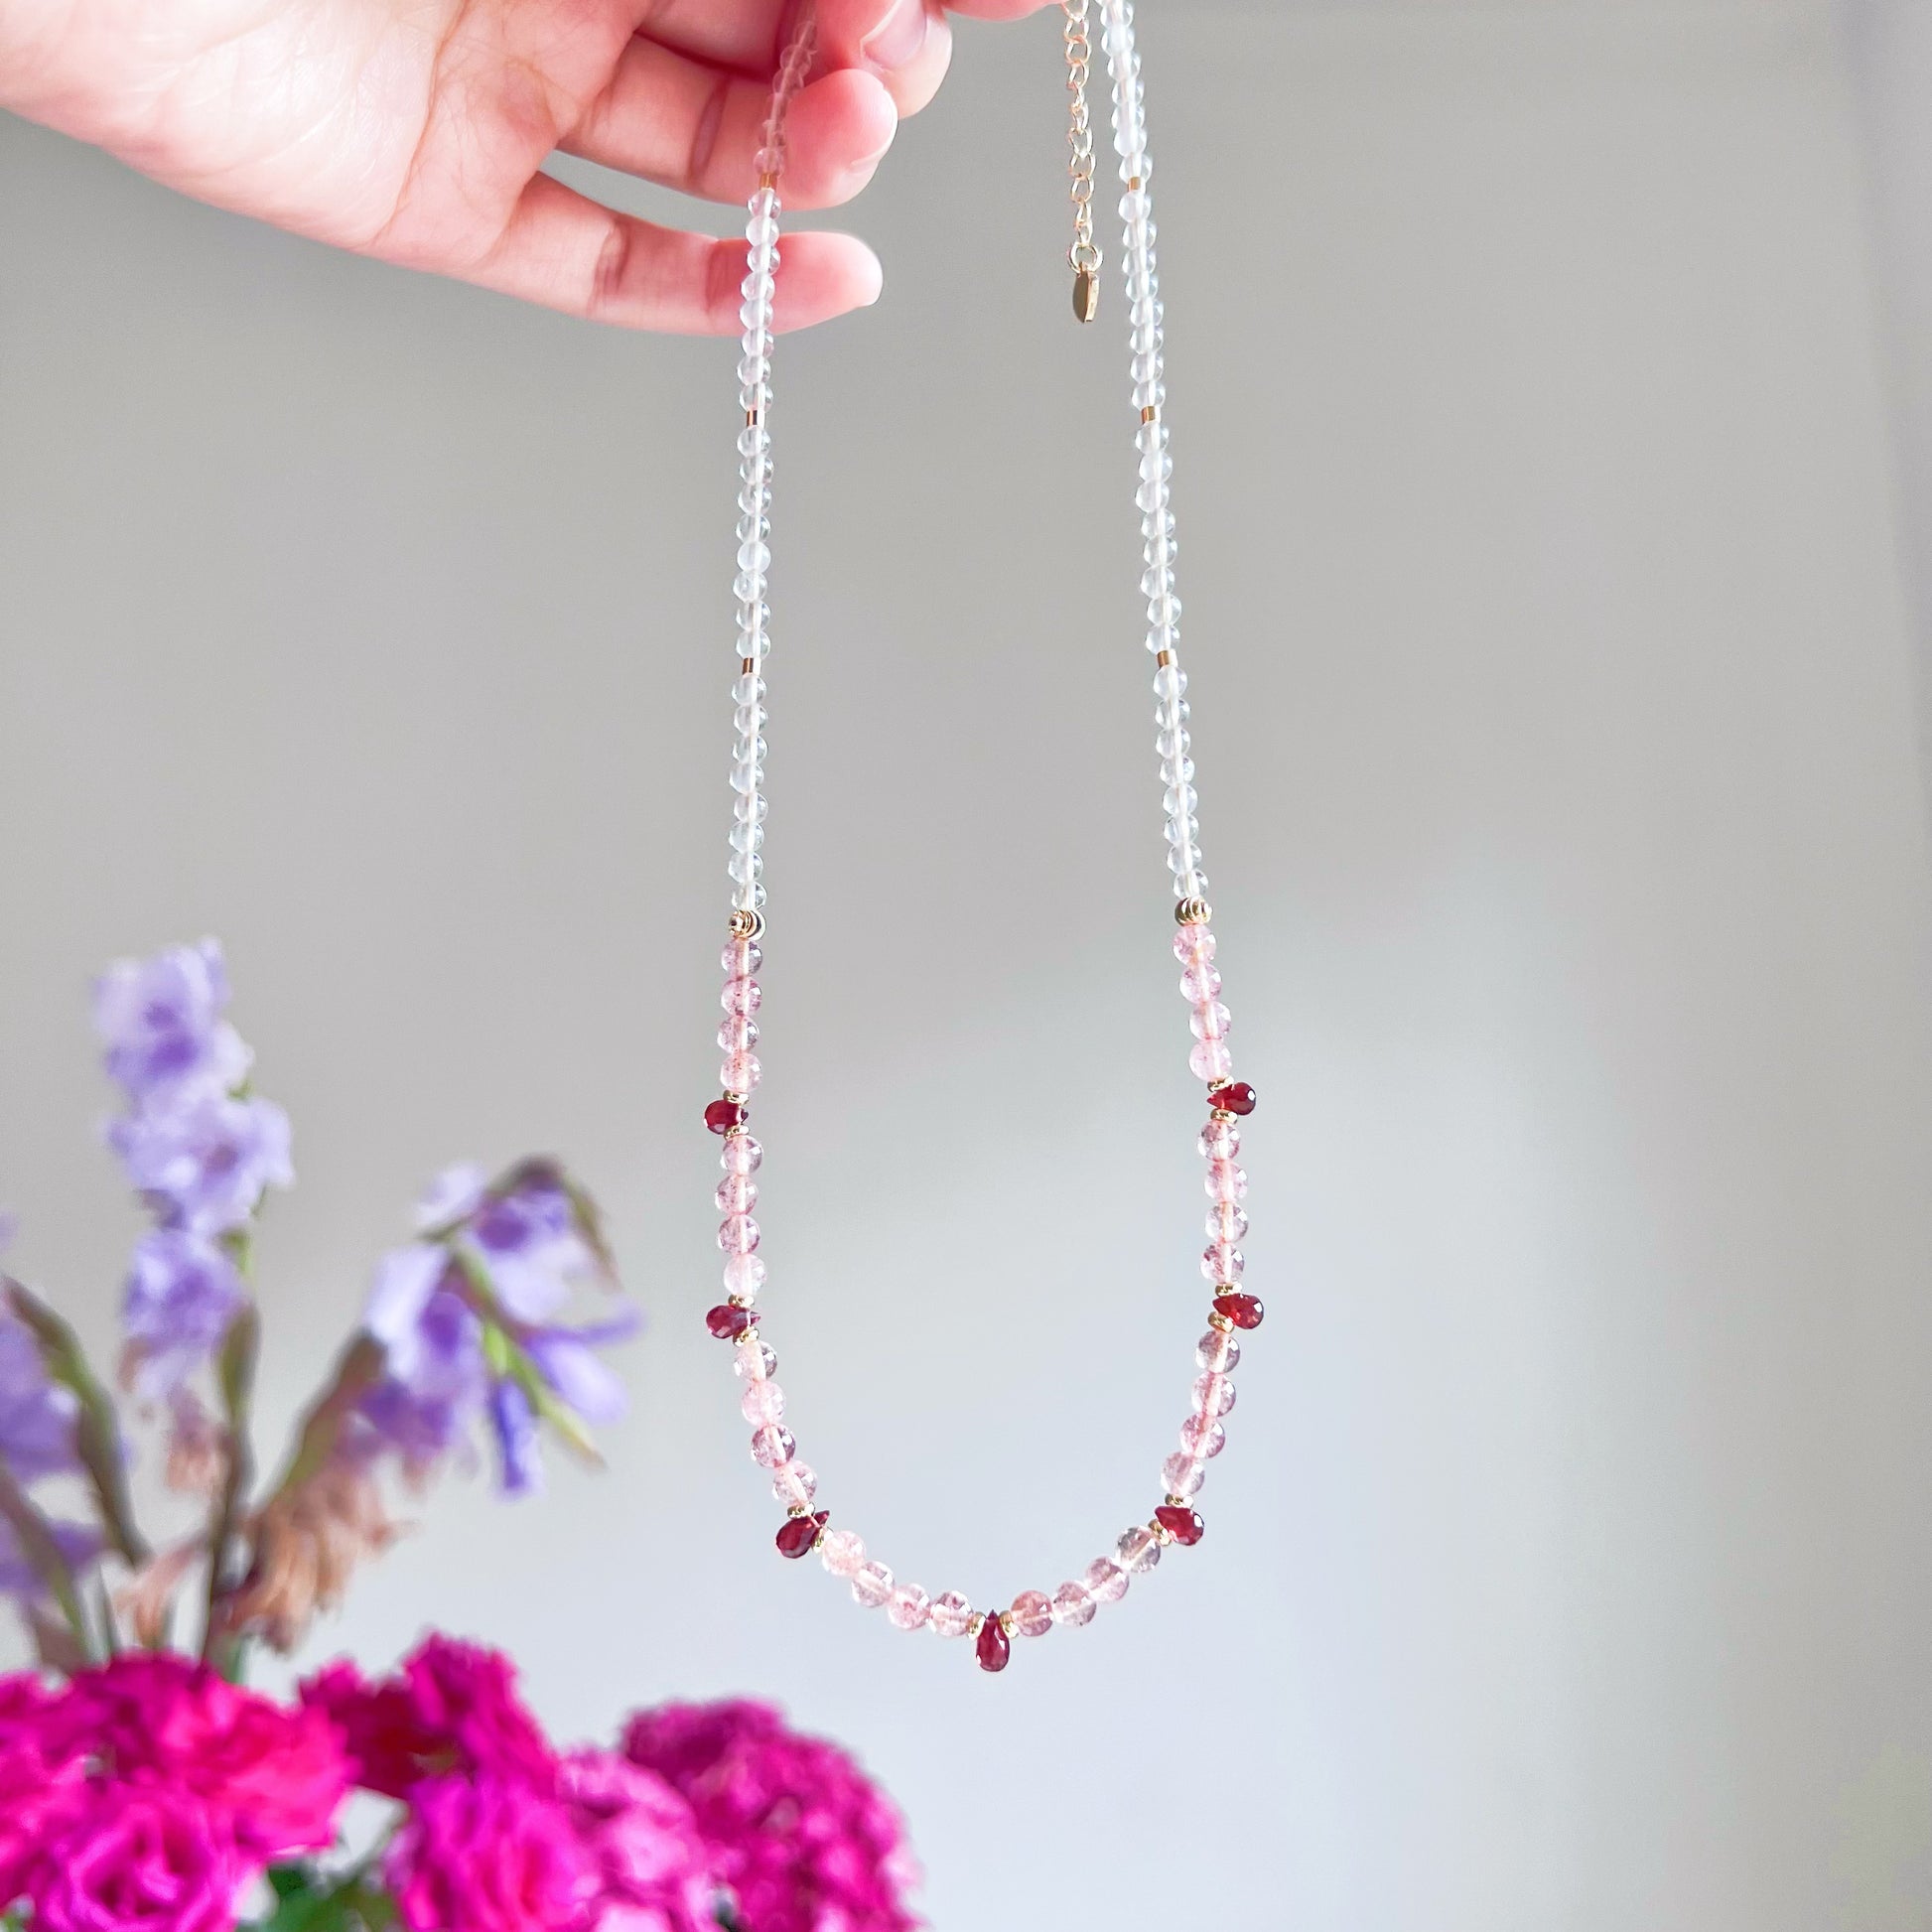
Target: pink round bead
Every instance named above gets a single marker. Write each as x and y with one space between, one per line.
1199 1436
1073 1605
1213 1395
951 1616
752 1359
1219 1353
910 1607
842 1552
1221 1263
1192 942
1031 1613
796 1484
1200 984
742 958
738 1234
742 997
1226 1181
1183 1475
1106 1580
1138 1550
738 1194
741 1155
771 1447
739 1073
1210 1059
738 1035
744 1276
1209 1022
761 1402
1226 1223
1220 1140
871 1585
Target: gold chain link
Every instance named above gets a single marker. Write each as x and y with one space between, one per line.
1085 253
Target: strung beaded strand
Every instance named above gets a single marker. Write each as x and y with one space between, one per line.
806 1528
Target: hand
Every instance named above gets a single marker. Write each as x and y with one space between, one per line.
416 131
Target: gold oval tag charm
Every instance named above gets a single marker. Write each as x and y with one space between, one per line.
1086 295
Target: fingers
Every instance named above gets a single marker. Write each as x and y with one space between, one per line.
567 252
907 44
695 127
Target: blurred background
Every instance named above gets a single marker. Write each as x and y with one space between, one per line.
1552 401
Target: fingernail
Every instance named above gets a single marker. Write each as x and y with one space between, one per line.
897 40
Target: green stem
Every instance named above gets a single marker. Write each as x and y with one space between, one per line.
37 1543
240 1351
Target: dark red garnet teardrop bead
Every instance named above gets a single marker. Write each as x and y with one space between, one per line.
995 1647
1183 1525
722 1115
801 1533
1244 1310
1237 1098
728 1323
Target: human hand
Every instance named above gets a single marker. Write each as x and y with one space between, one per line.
416 131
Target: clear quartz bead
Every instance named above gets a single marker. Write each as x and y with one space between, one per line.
1106 1580
1031 1613
871 1585
1073 1605
1183 1475
754 1359
951 1616
762 1402
744 1276
1138 1550
842 1552
910 1607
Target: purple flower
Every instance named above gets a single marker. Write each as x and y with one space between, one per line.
529 1244
182 1290
566 1360
80 1543
160 1022
37 1415
437 1377
515 1424
206 1164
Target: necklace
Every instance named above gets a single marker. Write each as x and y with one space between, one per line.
1175 1522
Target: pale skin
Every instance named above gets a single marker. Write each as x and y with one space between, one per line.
416 131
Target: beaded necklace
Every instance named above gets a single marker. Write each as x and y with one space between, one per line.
1175 1522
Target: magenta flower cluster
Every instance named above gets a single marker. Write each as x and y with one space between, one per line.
151 1795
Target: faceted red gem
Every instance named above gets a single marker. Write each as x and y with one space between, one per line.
801 1533
1237 1098
722 1115
995 1647
1183 1525
728 1323
1244 1310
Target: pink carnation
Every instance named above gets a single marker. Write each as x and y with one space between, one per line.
32 1791
656 1875
134 1857
452 1708
803 1838
487 1855
279 1776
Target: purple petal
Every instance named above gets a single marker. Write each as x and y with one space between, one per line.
515 1424
182 1293
36 1417
452 1197
161 1027
586 1386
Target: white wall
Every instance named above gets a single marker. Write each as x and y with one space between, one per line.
1568 1568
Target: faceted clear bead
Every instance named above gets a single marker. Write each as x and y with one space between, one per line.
910 1607
1073 1605
1211 1059
1213 1395
1219 1353
1226 1223
796 1484
738 1194
871 1585
951 1616
1031 1613
1220 1140
744 1276
771 1447
1106 1580
1183 1475
1200 984
1138 1550
738 1234
762 1402
1199 1436
1220 1263
842 1552
741 1155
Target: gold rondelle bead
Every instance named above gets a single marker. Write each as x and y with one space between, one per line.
1177 1502
1193 911
746 924
1219 1321
1162 1534
1221 1113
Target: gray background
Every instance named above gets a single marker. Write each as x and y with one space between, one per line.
1545 385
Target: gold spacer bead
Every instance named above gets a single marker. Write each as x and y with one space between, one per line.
1221 1113
750 419
746 924
1005 1621
1163 659
767 181
978 1623
1193 911
1162 1534
1220 1323
739 1099
1152 413
739 1301
1133 184
1177 1502
799 1509
749 667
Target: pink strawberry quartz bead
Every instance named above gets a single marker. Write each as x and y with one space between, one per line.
1220 1140
1226 1223
1199 1436
741 1155
1213 1395
1138 1550
1192 943
1211 1059
1200 982
741 1073
744 1276
754 1358
842 1552
1031 1614
951 1616
1106 1580
871 1585
908 1608
1073 1605
742 958
1182 1475
741 997
1226 1181
1211 1021
738 1194
796 1484
1220 1263
1219 1353
738 1234
771 1447
762 1402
